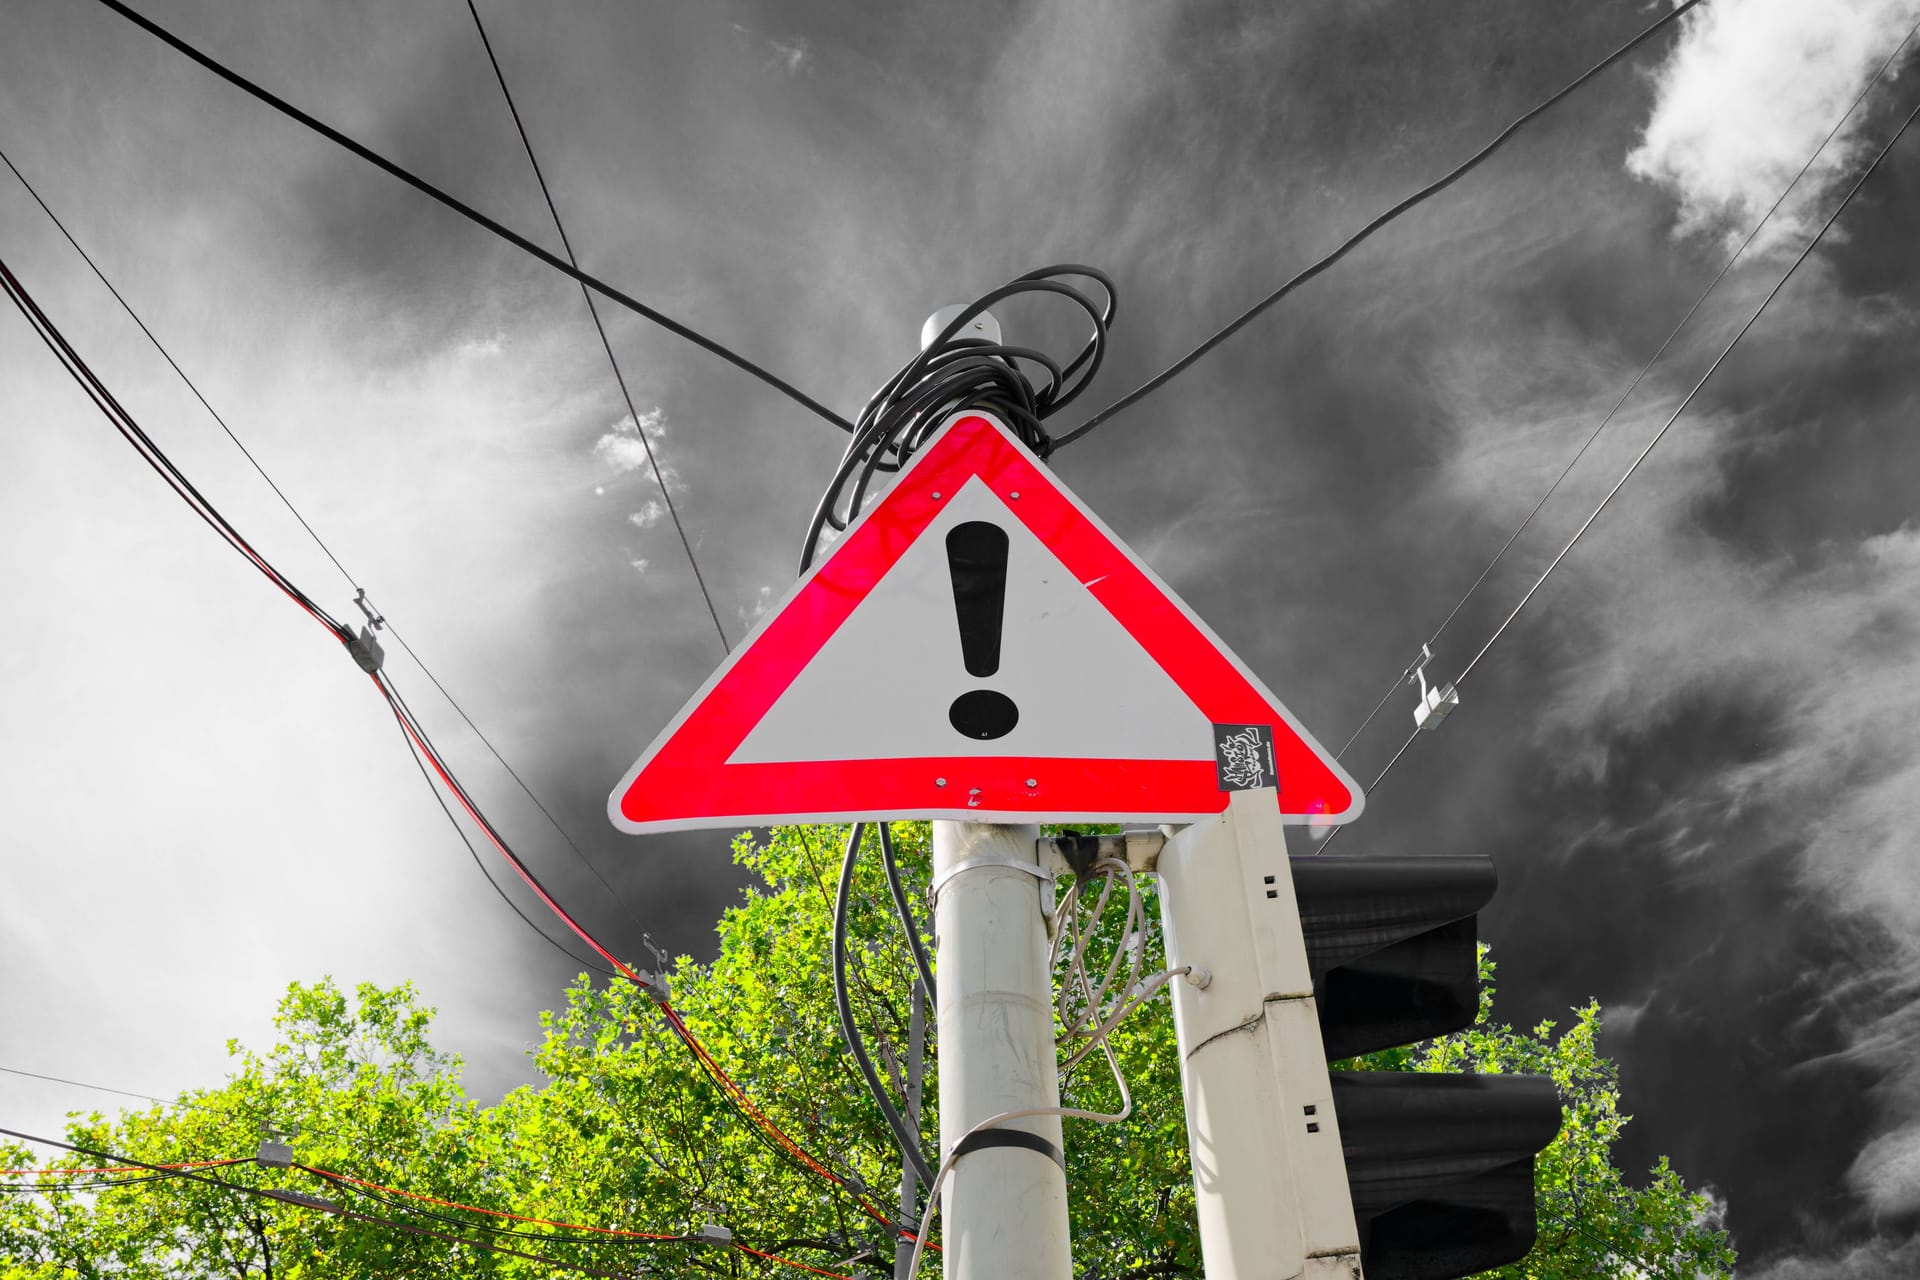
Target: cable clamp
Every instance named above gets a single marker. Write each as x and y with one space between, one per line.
655 979
714 1233
974 864
1437 701
366 650
276 1147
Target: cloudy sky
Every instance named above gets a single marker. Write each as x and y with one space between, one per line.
1693 755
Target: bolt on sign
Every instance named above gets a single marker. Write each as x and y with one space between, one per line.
978 646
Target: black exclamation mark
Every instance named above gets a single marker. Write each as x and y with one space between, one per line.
977 559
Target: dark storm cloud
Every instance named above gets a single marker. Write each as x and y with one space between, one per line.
1689 755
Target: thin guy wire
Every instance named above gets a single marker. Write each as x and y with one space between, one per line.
103 1088
317 539
1354 241
1659 435
165 355
473 215
638 427
1645 369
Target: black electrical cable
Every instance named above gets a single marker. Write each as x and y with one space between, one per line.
954 373
150 452
401 718
1354 241
640 430
908 1140
474 215
904 912
318 541
97 391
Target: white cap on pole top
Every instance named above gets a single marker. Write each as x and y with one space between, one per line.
981 326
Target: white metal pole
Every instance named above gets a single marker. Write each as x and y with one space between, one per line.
1269 1179
1004 1205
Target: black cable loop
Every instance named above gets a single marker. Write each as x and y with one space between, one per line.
953 373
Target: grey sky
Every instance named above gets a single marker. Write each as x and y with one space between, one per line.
1693 756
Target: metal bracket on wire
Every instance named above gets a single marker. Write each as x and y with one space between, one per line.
365 649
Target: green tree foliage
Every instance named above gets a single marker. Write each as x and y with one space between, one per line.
629 1134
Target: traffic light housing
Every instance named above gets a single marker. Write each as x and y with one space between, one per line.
1439 1166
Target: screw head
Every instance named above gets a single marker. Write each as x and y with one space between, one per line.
936 493
1014 494
939 782
1033 782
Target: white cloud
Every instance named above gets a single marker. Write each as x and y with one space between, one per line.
1748 93
622 448
794 56
640 564
480 348
648 516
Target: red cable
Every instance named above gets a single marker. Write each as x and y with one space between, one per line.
124 423
549 1222
789 1262
718 1073
121 1168
497 1213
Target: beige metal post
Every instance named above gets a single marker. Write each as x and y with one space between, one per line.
1269 1180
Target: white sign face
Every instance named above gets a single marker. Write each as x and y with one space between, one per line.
1083 687
978 646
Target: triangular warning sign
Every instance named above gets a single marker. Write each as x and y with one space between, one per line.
978 646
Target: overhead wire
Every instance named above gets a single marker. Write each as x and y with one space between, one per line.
322 1206
386 624
1645 369
380 1192
639 427
473 215
99 1088
1805 252
1353 241
151 453
97 391
1759 311
402 715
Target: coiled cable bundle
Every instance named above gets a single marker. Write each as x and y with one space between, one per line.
954 373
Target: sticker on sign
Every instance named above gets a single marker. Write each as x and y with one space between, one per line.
977 646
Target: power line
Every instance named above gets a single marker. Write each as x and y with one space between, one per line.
390 1196
319 1205
473 215
1675 417
639 428
1357 238
150 452
1640 377
168 357
1759 311
101 1088
413 754
318 541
